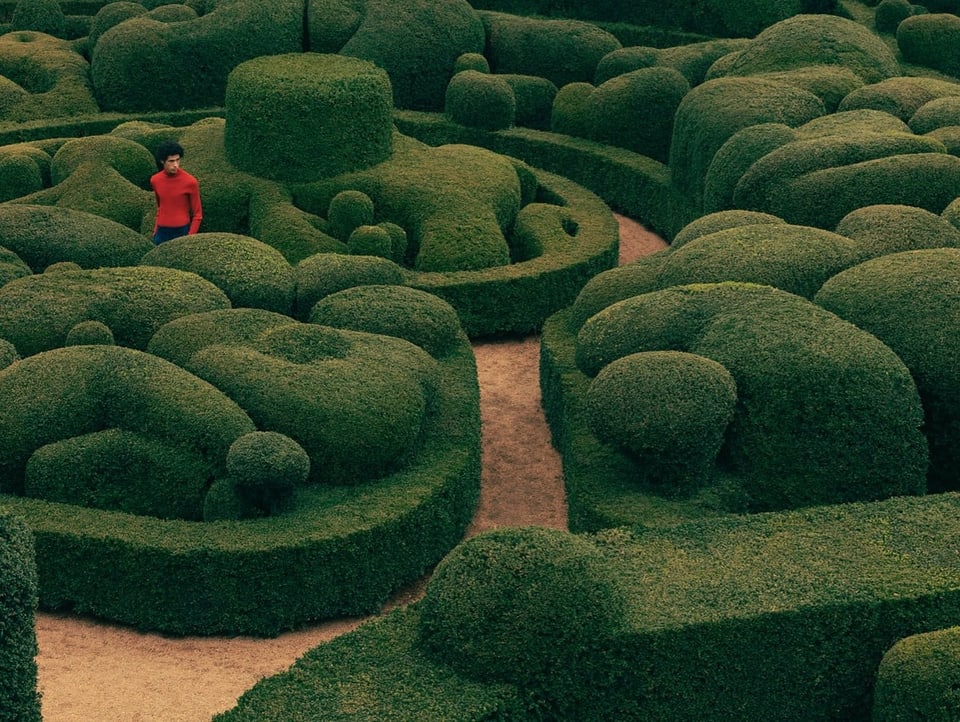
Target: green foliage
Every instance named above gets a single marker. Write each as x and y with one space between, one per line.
569 114
624 60
529 605
805 40
265 467
113 13
132 301
817 397
471 61
19 700
712 112
695 60
882 229
533 100
42 16
203 50
734 158
307 116
348 210
880 296
918 678
900 97
324 273
417 42
480 100
562 51
42 235
890 13
87 333
938 113
250 273
668 411
408 313
831 83
19 176
370 241
931 40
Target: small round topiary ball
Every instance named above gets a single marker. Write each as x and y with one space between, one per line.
90 333
265 467
668 410
347 211
307 116
471 61
527 605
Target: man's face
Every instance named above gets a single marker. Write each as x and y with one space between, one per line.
171 164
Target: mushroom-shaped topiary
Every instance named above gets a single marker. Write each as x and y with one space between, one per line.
669 410
265 467
306 116
533 606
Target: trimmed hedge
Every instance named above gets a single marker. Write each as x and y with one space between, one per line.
781 616
480 100
918 678
19 700
901 96
883 229
881 296
931 40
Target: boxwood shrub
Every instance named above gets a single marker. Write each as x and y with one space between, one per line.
19 700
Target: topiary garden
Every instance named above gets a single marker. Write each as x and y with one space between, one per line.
758 425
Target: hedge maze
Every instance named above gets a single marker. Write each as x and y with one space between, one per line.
759 425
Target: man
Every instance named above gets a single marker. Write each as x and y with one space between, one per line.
178 196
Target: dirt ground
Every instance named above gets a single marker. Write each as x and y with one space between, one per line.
91 671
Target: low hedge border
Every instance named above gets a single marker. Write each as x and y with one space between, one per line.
340 551
772 616
19 701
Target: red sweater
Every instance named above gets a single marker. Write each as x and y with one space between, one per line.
178 200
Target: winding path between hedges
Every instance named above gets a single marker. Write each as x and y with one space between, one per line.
89 670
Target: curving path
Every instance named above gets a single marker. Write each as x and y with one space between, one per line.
89 670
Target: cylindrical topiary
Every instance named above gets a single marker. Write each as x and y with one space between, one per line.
668 410
307 116
480 100
532 606
348 210
44 16
19 701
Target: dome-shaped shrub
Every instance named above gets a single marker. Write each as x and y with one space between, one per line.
734 158
937 113
306 116
532 606
882 229
324 273
624 60
370 241
348 210
900 96
534 100
918 678
668 410
720 221
265 467
890 13
112 14
480 100
932 40
19 176
90 333
43 16
569 112
471 61
8 353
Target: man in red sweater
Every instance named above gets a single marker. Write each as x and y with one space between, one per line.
178 196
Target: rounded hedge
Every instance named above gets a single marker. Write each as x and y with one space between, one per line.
265 467
932 40
370 241
307 116
480 100
890 13
918 679
668 410
937 113
321 274
88 333
883 229
522 605
44 16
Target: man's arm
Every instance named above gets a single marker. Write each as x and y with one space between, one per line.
196 209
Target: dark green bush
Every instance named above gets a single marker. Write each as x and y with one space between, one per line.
817 397
533 100
19 700
408 313
918 678
325 273
569 112
882 229
890 13
42 235
307 116
624 60
132 301
901 96
931 40
938 113
471 61
204 50
417 42
265 467
831 83
480 100
19 176
250 273
347 211
43 16
881 297
113 13
87 333
529 605
562 51
668 411
370 241
695 60
734 158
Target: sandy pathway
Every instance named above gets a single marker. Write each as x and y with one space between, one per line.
91 671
